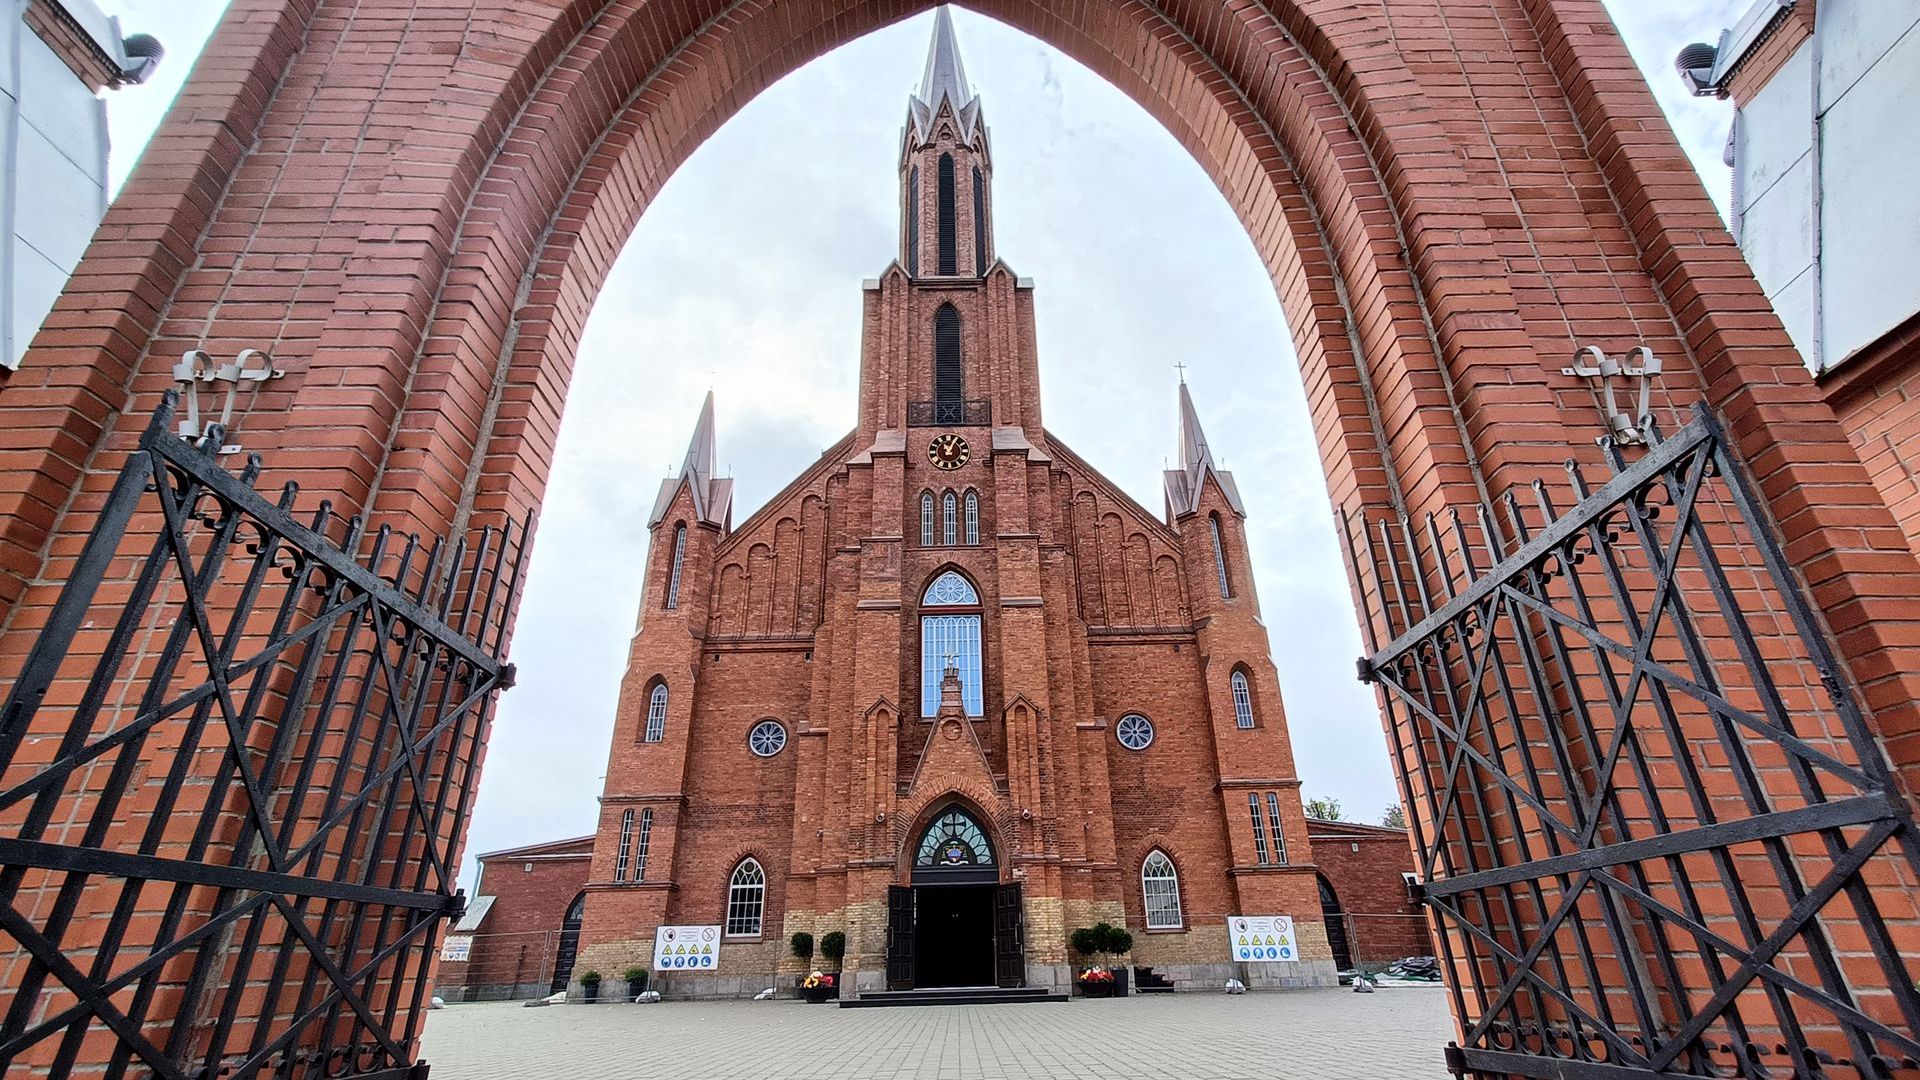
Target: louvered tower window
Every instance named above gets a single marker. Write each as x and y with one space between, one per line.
948 386
913 221
949 257
979 223
679 557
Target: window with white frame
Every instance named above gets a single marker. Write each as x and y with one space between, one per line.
1259 830
767 738
1134 731
1219 555
973 518
926 519
640 849
657 713
1160 887
1242 700
679 557
626 846
746 899
947 535
950 634
1279 838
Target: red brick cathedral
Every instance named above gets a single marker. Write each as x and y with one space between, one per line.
951 692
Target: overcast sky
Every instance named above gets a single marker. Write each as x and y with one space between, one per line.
1139 264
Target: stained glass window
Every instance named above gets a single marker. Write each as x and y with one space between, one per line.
954 839
950 640
746 899
948 590
1134 731
1160 887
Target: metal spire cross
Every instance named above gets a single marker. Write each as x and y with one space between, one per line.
1181 366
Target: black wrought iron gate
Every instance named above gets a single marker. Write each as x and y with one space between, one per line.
234 772
1656 834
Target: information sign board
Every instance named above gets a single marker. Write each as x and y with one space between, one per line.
1262 939
686 948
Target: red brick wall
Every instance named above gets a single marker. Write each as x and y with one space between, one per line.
1877 396
1364 865
72 45
513 949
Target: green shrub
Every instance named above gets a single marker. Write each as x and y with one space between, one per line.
802 945
1085 941
1116 941
636 977
834 946
591 978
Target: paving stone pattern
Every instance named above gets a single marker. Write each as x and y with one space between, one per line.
1308 1035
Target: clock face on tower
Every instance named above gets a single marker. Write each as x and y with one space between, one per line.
948 452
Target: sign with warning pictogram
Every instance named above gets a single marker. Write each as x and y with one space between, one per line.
1262 939
686 948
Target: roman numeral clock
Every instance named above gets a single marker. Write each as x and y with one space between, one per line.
948 452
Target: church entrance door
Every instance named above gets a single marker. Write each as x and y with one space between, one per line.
953 942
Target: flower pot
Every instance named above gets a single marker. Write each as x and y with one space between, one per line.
636 987
1095 989
818 994
591 990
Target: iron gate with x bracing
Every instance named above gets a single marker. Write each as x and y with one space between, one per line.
227 846
1656 834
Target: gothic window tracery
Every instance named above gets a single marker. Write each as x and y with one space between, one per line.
973 518
954 839
950 635
926 519
948 506
1160 889
657 713
746 899
1242 700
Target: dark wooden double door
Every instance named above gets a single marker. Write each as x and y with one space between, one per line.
955 935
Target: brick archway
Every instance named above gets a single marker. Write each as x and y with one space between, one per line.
413 210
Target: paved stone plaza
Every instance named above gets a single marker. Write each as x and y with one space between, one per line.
1291 1035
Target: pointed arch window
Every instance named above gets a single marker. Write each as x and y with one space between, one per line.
950 635
1279 839
973 518
1219 556
948 257
657 713
1242 700
926 519
954 839
626 846
746 899
913 221
640 848
1259 830
979 223
1160 889
949 385
679 558
949 511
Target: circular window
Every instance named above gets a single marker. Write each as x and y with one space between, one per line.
767 738
1134 731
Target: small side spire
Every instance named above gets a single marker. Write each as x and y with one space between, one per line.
712 496
1185 484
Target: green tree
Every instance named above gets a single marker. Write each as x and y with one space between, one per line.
1325 809
1396 817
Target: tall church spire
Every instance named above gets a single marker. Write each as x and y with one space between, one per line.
712 496
946 170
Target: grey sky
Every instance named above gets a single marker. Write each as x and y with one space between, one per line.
1139 265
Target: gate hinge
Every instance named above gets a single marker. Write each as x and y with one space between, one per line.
456 906
1456 1059
1363 668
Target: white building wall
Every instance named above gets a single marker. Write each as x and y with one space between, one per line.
1851 204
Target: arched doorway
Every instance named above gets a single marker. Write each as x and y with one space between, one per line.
954 923
1336 920
1424 288
569 947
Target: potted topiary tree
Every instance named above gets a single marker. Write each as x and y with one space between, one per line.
636 977
801 945
1094 979
1116 941
834 946
590 983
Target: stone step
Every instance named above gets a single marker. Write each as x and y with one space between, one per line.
951 995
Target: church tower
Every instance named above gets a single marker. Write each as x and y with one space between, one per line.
951 693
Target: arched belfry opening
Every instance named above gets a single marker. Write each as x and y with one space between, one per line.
424 331
955 923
